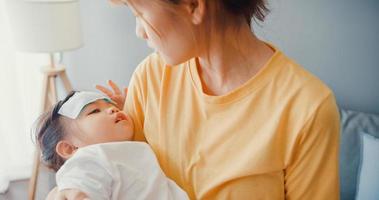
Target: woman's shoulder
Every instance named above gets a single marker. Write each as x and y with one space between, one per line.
298 89
297 79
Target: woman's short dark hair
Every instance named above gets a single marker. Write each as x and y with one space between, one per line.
248 9
49 131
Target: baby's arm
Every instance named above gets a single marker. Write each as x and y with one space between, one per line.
86 171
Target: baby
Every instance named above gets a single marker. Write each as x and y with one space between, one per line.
88 141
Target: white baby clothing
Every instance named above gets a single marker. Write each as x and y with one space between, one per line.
118 171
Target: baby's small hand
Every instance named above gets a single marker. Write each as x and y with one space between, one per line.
71 194
116 95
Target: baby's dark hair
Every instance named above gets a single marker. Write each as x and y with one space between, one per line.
49 131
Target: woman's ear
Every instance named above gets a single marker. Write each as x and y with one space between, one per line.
65 149
196 9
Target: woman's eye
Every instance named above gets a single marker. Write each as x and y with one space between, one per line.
94 111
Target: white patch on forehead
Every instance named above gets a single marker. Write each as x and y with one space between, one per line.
73 106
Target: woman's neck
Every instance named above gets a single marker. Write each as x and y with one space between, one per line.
229 62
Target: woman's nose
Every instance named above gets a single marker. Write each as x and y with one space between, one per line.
140 31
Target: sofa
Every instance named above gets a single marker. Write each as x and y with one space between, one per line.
359 155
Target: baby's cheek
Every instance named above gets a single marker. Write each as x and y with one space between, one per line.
100 133
130 135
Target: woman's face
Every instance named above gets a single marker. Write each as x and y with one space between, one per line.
101 122
171 35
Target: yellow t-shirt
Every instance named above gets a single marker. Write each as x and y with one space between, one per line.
274 137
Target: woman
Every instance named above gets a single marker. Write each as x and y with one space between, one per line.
228 115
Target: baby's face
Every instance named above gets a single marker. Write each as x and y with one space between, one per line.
101 122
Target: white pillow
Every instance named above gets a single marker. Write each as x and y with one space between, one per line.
368 178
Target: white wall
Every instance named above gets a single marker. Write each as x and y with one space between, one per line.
336 40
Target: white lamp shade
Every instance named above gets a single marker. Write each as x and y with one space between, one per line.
45 26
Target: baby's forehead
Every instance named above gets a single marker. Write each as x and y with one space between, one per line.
102 101
99 102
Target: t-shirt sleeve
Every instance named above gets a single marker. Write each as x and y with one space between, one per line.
313 171
87 172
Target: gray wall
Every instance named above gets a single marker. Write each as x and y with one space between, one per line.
336 40
111 49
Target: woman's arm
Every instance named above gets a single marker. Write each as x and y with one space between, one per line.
313 172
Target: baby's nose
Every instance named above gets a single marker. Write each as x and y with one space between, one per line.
112 110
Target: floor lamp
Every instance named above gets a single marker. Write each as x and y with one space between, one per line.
46 26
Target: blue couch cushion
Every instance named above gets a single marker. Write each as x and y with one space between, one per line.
352 124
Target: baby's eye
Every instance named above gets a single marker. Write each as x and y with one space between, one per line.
94 111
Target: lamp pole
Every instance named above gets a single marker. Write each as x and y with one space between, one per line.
49 97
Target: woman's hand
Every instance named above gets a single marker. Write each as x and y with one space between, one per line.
116 95
68 194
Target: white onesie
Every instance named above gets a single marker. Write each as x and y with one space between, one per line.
117 171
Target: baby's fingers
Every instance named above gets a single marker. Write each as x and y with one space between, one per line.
105 90
115 88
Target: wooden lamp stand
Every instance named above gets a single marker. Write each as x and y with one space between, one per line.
49 98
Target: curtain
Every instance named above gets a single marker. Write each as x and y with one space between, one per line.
21 88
